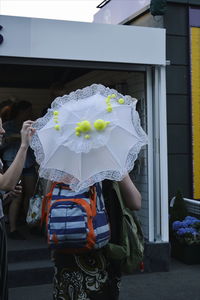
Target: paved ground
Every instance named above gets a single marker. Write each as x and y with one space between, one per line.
182 282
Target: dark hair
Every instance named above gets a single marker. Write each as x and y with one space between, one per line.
5 109
17 107
5 113
7 102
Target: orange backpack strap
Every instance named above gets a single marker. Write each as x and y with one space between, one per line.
89 237
91 212
45 202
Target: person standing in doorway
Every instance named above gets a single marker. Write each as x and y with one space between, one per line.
8 182
19 112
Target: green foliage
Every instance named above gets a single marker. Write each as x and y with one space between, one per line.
179 211
158 7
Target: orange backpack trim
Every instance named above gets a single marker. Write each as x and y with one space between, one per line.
89 208
45 201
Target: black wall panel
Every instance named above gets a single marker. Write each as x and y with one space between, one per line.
177 80
178 139
175 104
179 175
195 2
176 19
178 99
177 49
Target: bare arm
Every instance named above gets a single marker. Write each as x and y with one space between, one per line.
9 179
130 193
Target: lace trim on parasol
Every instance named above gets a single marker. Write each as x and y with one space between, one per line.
76 185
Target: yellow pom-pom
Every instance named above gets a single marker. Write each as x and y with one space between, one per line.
100 124
113 96
56 113
78 133
107 100
121 101
87 136
78 129
85 126
57 127
109 108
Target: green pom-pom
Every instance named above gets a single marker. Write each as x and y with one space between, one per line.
87 136
121 101
57 127
100 124
85 126
109 108
78 129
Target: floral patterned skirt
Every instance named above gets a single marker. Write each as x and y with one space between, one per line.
85 277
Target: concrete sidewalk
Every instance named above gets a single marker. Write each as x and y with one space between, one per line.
180 283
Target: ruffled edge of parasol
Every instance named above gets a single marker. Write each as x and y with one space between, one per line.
78 95
76 185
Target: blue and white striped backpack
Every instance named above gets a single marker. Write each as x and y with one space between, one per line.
76 221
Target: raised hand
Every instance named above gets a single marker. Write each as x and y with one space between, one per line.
26 133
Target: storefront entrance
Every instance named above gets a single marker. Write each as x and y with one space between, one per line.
40 65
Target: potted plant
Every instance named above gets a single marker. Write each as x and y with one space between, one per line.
184 232
186 240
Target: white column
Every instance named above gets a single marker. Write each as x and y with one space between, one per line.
163 157
150 154
157 155
157 194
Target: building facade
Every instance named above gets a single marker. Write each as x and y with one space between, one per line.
34 57
181 21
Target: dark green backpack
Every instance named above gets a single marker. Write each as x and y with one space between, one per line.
126 246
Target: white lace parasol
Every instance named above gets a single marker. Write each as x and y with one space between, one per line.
87 136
